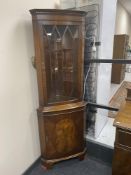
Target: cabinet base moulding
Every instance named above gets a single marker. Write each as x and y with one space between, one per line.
49 163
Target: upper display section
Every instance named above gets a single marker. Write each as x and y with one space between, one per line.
59 42
57 11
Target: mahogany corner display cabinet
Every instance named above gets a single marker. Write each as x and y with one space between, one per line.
59 54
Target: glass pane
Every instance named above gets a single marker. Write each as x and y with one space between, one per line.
61 52
61 29
48 29
74 31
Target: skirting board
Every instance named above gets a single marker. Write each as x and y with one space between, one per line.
100 152
31 167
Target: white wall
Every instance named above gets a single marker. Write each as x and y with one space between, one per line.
107 20
115 20
123 21
65 4
19 144
108 13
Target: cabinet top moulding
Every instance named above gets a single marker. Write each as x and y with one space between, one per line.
37 14
57 11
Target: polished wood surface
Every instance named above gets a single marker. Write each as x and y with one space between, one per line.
69 106
62 134
59 54
122 151
119 52
123 118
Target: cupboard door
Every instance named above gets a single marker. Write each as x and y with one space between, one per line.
64 134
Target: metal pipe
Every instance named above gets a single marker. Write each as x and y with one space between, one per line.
112 61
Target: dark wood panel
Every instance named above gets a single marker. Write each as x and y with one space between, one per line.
116 73
119 52
121 162
119 46
123 137
68 134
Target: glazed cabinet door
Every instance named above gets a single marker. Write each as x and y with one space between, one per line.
61 57
61 47
64 134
